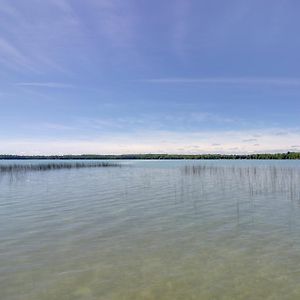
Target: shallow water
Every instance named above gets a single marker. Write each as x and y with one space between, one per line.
152 230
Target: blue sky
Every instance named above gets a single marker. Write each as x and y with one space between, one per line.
180 76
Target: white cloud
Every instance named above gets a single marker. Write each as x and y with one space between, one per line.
159 142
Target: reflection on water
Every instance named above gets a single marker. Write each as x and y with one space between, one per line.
152 230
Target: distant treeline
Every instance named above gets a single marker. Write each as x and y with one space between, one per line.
288 155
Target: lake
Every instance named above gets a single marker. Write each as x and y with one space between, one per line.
151 230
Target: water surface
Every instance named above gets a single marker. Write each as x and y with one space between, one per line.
152 230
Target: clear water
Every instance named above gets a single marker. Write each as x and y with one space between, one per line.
152 230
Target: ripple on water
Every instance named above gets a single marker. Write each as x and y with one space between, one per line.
196 230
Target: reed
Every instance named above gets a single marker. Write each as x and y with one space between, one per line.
16 168
257 180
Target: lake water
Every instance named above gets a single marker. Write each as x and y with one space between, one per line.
152 230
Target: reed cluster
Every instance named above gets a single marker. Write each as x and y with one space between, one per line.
257 180
12 168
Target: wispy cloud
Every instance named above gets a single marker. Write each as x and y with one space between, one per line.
179 24
62 34
229 80
56 85
114 21
36 43
58 126
210 117
11 56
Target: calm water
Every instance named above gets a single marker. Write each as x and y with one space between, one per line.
152 230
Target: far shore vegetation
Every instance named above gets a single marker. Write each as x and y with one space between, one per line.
287 155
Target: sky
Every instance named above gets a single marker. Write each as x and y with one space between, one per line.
137 76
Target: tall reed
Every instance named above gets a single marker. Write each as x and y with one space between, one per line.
12 168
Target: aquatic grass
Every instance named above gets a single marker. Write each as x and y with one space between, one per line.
19 168
257 180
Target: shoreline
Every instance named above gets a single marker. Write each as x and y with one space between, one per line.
257 156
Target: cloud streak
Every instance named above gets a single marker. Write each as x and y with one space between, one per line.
55 85
229 80
11 56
